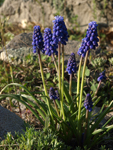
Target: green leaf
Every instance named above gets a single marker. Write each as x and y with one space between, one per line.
18 98
50 84
47 75
55 79
42 105
97 139
94 86
87 72
101 116
43 57
47 122
67 96
74 86
103 129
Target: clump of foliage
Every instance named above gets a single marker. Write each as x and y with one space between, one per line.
111 60
32 139
98 62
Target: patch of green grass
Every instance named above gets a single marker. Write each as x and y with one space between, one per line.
33 140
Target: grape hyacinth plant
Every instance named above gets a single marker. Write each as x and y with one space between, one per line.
89 42
38 45
60 36
67 113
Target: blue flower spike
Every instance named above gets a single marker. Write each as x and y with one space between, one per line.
60 33
49 47
90 41
52 94
102 76
92 35
88 104
37 40
71 66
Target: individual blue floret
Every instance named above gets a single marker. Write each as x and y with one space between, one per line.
60 33
49 47
102 76
71 66
37 40
88 104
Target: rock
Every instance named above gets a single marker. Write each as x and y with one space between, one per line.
21 45
42 12
95 112
10 122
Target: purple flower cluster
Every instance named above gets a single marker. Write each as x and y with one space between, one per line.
71 66
49 48
91 40
88 104
60 33
53 94
102 76
37 40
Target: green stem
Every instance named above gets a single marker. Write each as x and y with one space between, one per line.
98 88
78 80
56 107
87 112
81 93
55 63
70 84
42 75
40 63
59 47
62 81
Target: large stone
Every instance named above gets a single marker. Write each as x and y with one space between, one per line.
42 12
10 122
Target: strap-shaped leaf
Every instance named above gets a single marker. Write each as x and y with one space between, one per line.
34 106
97 139
102 129
107 122
47 122
17 97
101 116
67 96
27 91
42 105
